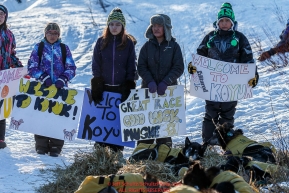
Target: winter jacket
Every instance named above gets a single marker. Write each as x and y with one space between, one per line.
160 62
51 62
8 57
221 48
239 183
115 66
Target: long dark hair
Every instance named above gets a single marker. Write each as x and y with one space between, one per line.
107 36
4 26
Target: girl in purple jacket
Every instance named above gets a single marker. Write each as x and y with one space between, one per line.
51 69
113 62
8 58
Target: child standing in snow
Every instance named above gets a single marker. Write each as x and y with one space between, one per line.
282 46
8 58
160 62
229 45
51 69
113 63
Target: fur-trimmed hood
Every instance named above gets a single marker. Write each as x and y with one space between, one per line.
161 19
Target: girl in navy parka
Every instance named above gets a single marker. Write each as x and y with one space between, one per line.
8 58
51 70
113 62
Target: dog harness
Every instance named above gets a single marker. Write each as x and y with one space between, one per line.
183 189
266 167
163 151
240 143
126 183
238 182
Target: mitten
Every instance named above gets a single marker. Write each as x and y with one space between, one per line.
162 87
253 82
97 86
27 76
192 69
45 78
152 87
264 56
61 82
125 89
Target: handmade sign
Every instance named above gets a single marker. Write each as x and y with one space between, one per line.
221 81
101 122
46 111
9 82
146 115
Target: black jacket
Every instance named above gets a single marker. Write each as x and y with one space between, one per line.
221 48
113 65
160 62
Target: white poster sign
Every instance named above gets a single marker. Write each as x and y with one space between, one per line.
46 111
221 81
146 116
9 82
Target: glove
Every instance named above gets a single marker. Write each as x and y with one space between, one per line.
253 81
152 87
192 69
97 86
264 56
61 82
162 87
45 78
125 89
27 76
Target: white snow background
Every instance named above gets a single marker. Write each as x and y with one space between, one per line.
259 117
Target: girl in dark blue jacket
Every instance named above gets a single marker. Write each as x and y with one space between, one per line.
113 62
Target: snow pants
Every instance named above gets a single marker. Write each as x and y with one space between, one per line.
220 112
2 129
46 143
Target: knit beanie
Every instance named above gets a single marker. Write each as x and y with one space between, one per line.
226 11
163 20
116 15
52 26
4 9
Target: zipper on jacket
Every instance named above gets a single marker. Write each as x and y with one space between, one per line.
52 63
113 55
159 63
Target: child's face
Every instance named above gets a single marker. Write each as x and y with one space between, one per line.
158 30
115 27
225 24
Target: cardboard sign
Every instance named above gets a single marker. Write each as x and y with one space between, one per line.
221 81
101 122
146 115
46 111
9 82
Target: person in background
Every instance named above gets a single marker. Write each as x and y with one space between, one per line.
113 63
281 47
237 50
160 61
8 58
52 66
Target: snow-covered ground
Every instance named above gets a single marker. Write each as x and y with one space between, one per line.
20 166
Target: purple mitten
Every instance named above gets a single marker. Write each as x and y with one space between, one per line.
152 87
45 78
61 82
162 87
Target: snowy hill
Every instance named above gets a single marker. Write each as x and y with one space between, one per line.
82 22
